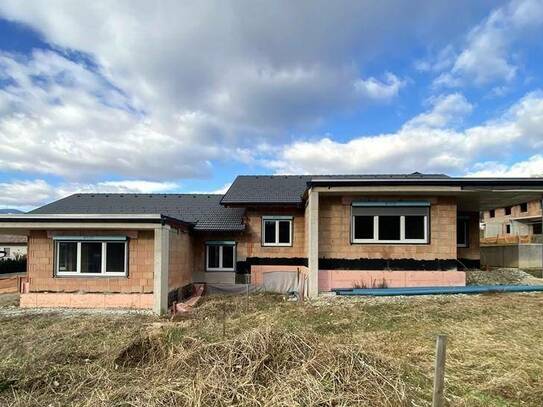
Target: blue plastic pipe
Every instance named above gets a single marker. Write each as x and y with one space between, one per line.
474 289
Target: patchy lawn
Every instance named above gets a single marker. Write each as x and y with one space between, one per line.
266 351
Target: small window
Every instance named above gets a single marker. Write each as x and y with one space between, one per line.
115 257
363 227
492 213
524 207
276 231
67 257
507 210
508 229
220 256
536 229
462 231
91 257
389 227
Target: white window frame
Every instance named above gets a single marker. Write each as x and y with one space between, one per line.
466 220
103 272
402 239
277 219
221 246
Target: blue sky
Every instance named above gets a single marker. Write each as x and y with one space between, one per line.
135 96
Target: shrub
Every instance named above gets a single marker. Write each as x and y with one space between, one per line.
13 265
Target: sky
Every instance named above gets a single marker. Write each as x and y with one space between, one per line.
170 96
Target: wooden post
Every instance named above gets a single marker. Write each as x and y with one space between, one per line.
439 377
223 320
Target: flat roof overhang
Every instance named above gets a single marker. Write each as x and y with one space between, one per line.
473 194
21 222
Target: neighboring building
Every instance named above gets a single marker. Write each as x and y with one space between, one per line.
12 246
519 223
145 250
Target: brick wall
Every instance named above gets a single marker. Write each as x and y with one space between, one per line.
534 209
334 232
140 267
180 259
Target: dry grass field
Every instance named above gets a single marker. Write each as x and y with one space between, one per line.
264 351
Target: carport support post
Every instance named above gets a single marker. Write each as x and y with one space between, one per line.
312 214
161 265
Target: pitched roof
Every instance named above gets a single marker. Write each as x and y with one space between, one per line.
203 211
289 189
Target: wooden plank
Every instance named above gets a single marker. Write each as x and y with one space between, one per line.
439 375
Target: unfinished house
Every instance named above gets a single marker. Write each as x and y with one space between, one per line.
513 224
286 233
512 237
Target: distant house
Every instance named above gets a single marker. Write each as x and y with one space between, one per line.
146 250
12 246
514 223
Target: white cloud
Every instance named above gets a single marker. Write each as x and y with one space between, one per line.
446 110
61 118
222 190
422 145
28 194
374 89
489 55
532 167
194 77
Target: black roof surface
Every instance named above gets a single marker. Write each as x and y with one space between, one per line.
203 211
289 189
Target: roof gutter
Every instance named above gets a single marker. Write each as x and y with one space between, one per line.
90 219
530 183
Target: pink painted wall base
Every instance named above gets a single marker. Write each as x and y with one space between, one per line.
333 279
98 300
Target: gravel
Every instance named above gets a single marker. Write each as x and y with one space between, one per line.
502 276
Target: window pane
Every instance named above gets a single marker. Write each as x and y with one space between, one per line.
389 228
269 231
461 229
115 257
414 227
213 257
91 257
228 257
363 227
67 256
537 229
284 231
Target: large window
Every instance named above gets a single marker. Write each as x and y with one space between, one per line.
277 231
462 231
91 257
220 256
390 222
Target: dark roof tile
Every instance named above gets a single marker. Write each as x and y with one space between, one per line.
289 189
203 211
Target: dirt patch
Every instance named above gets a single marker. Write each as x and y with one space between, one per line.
502 276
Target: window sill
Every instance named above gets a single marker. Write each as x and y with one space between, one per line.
389 242
276 244
79 275
220 270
